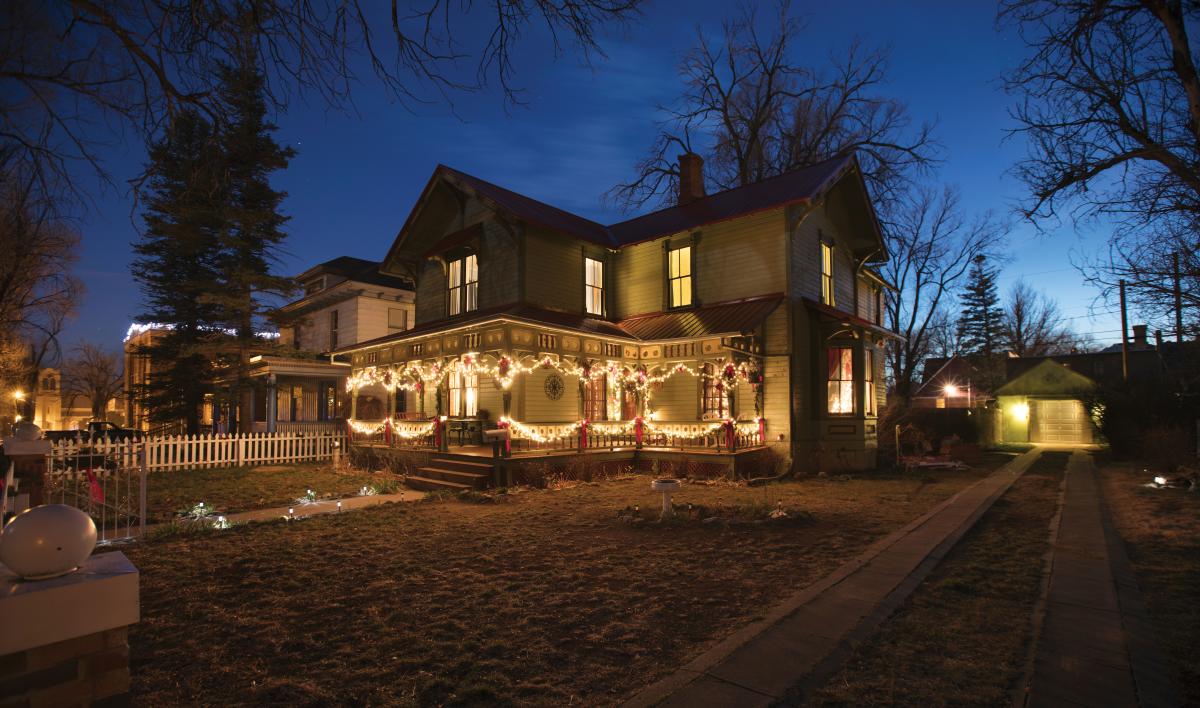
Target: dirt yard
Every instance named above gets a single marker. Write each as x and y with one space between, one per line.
1161 530
545 598
962 638
232 489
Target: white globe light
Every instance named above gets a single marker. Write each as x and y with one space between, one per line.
47 541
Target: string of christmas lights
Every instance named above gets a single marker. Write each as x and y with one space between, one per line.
415 377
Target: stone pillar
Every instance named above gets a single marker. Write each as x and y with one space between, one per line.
29 470
272 403
66 640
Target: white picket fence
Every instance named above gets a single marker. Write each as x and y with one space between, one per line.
176 452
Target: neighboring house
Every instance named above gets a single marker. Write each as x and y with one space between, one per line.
1042 398
758 304
55 409
294 383
346 300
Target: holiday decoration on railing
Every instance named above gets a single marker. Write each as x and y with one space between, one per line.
413 376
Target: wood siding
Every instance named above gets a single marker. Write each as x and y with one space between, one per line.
555 265
678 399
539 408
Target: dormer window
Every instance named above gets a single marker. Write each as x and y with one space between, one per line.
463 285
315 285
593 286
679 276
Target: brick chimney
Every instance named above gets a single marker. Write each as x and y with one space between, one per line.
1139 336
691 178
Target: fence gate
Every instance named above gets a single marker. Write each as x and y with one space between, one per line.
106 482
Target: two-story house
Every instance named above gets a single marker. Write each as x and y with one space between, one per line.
345 301
753 312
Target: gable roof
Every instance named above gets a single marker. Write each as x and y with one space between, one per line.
798 186
1047 378
359 270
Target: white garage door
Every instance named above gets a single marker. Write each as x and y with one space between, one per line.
1060 422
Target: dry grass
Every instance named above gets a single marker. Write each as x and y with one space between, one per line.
233 489
1161 530
545 598
961 639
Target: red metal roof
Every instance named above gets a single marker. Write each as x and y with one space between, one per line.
791 188
733 317
843 316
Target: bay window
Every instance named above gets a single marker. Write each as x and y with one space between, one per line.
870 405
463 285
841 381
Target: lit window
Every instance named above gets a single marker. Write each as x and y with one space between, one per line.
869 379
593 278
463 285
622 400
841 380
464 394
716 395
680 276
827 274
595 394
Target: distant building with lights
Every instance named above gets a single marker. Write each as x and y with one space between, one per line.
757 310
295 384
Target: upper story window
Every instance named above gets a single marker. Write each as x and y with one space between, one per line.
463 285
593 286
333 330
679 276
397 318
841 380
315 285
878 306
827 274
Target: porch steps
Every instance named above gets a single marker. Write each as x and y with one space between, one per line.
452 474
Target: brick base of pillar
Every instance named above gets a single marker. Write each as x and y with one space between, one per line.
88 670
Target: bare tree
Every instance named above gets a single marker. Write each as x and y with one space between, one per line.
1110 107
931 245
68 66
944 341
37 290
760 114
1033 325
93 373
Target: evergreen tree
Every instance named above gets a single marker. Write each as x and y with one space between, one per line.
981 324
252 242
176 267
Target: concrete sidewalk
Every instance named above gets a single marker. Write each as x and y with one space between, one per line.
1095 646
804 639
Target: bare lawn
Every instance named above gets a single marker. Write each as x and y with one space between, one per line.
229 490
1161 530
543 597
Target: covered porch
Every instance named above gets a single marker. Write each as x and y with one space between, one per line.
288 395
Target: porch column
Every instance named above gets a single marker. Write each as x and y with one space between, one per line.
391 403
353 404
272 403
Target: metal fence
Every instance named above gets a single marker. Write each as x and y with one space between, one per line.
110 489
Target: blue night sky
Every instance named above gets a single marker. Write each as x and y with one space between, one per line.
357 175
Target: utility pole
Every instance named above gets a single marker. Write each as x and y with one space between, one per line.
1178 298
1124 336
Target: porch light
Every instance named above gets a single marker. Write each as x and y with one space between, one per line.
951 390
1160 481
1020 411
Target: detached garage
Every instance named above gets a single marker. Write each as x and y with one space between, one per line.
1045 405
